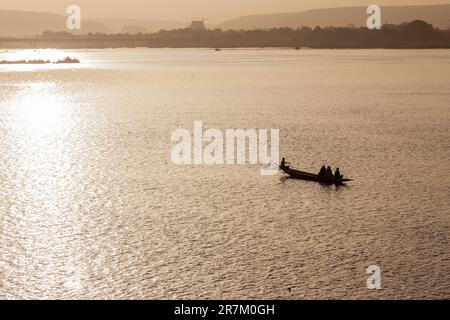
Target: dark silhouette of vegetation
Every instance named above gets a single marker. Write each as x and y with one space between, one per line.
67 60
416 34
25 61
40 61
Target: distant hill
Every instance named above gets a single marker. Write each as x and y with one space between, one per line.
24 23
117 24
438 15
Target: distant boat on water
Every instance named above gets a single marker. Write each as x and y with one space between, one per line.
302 175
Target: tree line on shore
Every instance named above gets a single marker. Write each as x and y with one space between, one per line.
415 34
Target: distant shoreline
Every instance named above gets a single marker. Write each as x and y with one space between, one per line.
117 44
224 48
413 35
67 60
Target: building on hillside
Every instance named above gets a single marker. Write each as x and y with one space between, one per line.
198 25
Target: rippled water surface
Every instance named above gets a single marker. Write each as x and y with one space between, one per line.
92 206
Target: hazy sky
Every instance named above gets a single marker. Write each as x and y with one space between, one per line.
215 10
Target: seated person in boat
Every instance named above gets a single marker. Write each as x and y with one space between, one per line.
337 175
329 173
322 171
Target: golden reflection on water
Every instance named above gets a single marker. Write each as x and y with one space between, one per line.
40 111
92 207
40 123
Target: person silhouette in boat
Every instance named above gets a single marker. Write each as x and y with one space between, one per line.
337 175
283 163
329 173
323 171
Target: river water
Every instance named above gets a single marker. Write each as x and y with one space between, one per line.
92 207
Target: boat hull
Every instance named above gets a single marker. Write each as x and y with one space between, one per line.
301 175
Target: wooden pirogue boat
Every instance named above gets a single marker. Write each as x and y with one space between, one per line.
301 175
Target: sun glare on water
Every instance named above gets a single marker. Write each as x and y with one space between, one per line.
40 110
40 122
